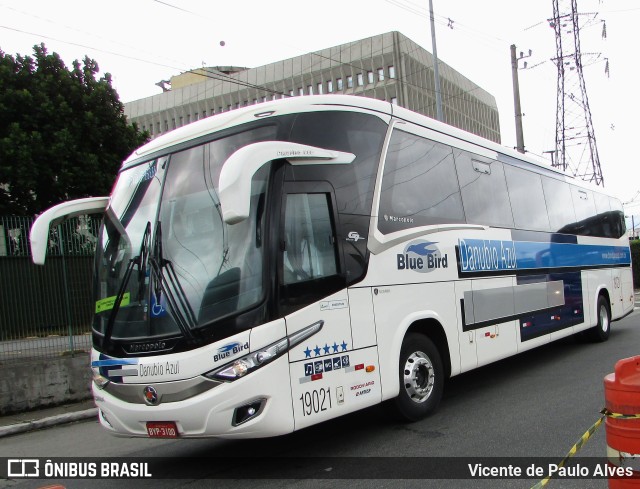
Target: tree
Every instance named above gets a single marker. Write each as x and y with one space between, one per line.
63 133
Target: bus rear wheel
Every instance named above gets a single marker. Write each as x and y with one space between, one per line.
600 332
421 378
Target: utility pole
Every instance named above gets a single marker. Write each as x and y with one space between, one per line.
516 96
436 74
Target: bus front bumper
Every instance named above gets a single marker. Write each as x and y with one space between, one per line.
258 405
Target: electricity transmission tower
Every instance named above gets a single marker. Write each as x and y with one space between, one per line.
576 150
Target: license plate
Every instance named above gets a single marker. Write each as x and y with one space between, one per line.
162 429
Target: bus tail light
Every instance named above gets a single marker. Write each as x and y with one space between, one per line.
248 363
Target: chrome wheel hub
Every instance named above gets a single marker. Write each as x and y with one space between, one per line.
419 377
604 319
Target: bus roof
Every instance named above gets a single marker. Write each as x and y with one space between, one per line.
292 105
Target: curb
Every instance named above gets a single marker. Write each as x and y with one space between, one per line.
48 422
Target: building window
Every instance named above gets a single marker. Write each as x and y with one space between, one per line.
151 129
330 86
237 105
339 83
301 91
392 71
349 81
394 100
370 76
188 118
264 99
291 93
320 89
204 113
255 101
380 74
360 79
181 123
158 127
173 123
195 116
228 108
310 89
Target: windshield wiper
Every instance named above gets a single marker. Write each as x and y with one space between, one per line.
140 262
169 283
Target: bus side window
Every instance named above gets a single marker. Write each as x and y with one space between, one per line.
309 239
484 190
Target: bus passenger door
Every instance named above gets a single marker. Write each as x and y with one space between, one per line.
328 376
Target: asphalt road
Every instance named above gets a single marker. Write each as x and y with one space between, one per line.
533 406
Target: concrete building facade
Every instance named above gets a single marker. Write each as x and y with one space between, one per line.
388 67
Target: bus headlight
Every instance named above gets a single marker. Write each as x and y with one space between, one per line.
245 365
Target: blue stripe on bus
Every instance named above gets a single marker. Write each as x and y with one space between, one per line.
114 362
482 255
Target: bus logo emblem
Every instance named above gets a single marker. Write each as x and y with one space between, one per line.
150 395
422 256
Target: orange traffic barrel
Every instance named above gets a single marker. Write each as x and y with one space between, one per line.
622 401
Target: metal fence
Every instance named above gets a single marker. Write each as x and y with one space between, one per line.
46 311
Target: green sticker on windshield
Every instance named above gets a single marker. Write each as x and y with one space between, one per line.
108 302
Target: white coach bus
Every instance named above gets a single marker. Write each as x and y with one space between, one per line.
279 265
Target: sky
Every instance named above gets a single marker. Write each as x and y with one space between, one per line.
141 42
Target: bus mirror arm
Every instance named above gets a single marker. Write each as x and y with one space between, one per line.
39 234
237 172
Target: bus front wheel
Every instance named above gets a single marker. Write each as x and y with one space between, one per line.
421 378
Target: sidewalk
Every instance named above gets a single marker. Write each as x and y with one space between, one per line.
44 418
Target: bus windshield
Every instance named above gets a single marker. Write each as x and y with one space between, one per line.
166 261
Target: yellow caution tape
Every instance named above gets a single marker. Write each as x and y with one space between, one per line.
583 439
609 414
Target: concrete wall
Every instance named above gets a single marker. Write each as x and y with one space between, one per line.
44 383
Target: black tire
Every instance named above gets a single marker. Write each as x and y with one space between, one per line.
600 332
421 376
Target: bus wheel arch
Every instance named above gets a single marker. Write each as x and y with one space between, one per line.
422 368
432 329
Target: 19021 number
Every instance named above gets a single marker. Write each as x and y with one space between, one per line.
315 401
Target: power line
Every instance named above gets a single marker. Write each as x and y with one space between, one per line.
212 75
176 7
87 47
226 78
83 32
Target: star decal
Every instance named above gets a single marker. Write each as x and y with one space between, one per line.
344 346
326 349
335 347
307 353
316 350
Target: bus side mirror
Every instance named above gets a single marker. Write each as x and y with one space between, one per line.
234 187
39 234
